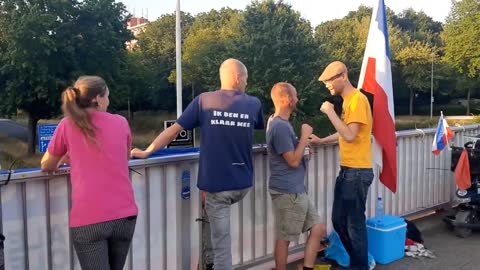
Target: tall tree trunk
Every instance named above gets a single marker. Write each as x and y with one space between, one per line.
412 95
468 100
32 127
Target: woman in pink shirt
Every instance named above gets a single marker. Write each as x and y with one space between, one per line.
104 211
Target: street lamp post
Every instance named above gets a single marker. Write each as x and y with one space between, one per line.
178 43
431 89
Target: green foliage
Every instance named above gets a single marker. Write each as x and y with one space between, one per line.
462 49
46 45
345 39
210 42
462 32
277 45
157 50
419 27
416 61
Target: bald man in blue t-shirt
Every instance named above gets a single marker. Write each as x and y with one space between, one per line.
227 118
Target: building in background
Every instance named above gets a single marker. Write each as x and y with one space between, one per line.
137 26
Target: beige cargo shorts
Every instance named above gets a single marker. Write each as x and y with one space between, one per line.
294 214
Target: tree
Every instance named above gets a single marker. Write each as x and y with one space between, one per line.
462 49
47 44
209 43
102 33
277 45
34 58
419 27
345 39
135 85
157 47
416 61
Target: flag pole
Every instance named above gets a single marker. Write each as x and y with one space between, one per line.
443 119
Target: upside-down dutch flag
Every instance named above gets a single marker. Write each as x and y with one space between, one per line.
442 137
376 78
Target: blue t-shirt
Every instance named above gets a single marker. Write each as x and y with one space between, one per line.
227 120
281 139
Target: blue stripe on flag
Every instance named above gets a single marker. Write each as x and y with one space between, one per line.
382 22
440 135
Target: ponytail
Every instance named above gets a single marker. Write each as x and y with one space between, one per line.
73 107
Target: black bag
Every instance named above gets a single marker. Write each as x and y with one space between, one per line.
413 233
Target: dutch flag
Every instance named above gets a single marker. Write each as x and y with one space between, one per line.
376 78
442 137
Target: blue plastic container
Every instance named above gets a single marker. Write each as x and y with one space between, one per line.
386 238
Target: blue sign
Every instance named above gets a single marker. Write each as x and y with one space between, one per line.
45 134
185 193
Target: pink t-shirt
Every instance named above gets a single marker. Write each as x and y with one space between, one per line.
101 188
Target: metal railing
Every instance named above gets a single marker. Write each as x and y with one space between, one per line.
35 207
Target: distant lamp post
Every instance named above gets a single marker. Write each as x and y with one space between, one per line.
431 88
178 43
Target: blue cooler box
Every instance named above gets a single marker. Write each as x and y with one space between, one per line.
386 238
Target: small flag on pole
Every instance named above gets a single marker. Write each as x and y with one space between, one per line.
443 136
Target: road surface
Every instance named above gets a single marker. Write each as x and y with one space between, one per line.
11 129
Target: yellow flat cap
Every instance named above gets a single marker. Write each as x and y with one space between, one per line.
332 70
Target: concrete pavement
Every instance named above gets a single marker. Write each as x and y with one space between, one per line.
452 253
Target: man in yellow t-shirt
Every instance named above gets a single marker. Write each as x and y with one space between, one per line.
354 130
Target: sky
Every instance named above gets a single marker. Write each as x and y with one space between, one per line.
316 11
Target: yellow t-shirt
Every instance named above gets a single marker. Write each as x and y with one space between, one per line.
357 154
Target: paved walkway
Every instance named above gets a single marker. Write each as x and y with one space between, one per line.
452 253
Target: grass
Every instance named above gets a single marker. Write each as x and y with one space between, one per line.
421 122
146 126
450 109
13 149
413 122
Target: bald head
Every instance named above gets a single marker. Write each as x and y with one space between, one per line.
284 95
233 75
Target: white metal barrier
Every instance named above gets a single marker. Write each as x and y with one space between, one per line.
35 207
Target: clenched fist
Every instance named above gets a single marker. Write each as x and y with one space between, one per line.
307 130
326 107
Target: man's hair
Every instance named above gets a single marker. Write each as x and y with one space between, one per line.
282 89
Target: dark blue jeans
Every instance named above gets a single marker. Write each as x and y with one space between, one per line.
348 215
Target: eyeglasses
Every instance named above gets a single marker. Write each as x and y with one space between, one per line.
333 78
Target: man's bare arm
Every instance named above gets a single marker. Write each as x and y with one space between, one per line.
160 142
348 132
314 139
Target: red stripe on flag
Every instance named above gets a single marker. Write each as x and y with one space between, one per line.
450 134
383 127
